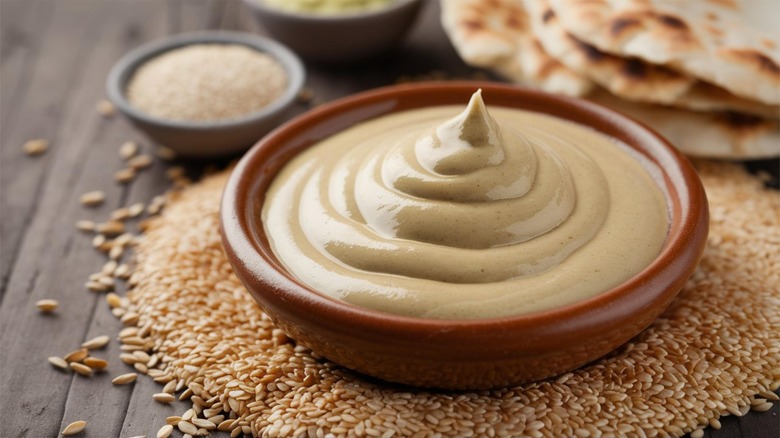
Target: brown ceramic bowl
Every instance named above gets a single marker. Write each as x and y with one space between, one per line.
460 354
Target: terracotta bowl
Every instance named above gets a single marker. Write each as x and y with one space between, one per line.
460 354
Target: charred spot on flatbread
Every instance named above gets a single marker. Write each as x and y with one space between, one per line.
758 60
472 25
623 25
743 121
590 52
548 15
515 21
672 22
634 68
728 4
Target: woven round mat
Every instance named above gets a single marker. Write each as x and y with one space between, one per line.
715 351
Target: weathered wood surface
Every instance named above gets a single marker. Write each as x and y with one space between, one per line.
53 64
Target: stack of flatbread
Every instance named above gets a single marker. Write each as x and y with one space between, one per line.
703 73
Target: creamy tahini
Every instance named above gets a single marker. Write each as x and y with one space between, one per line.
431 213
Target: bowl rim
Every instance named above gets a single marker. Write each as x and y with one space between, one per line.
239 241
314 18
123 70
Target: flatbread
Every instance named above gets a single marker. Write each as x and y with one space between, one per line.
496 34
475 28
634 79
730 43
724 135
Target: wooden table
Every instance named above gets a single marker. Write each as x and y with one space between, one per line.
55 58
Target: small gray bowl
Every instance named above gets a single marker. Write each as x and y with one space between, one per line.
211 138
340 38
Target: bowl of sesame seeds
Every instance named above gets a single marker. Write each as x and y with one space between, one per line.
206 94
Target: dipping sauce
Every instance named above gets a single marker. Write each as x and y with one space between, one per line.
463 214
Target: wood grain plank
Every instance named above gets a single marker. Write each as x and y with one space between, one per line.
95 400
29 390
22 26
54 261
40 114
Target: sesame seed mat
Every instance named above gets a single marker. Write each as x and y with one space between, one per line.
714 352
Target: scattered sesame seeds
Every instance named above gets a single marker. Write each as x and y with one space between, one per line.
86 226
164 397
125 176
93 199
135 210
187 427
74 428
674 378
111 228
120 214
305 95
80 368
96 342
76 356
165 153
165 431
47 305
113 300
59 363
128 150
35 147
140 162
98 241
116 252
124 379
105 108
95 363
169 387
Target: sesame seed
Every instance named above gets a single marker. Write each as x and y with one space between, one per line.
93 199
125 176
111 228
113 300
166 153
124 379
74 428
165 431
86 225
763 407
163 397
169 387
47 305
128 150
96 342
95 363
136 209
105 109
140 162
77 356
35 147
80 368
59 363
